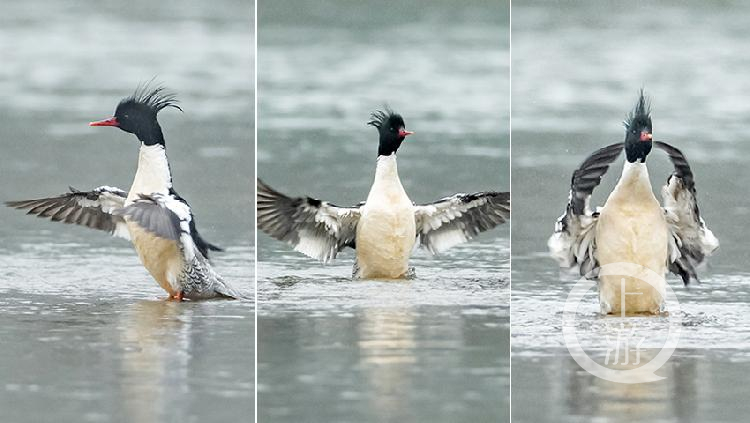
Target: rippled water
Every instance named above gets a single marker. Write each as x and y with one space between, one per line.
576 71
436 348
85 335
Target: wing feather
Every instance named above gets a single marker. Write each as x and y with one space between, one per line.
154 214
92 209
315 228
573 242
166 216
459 218
691 241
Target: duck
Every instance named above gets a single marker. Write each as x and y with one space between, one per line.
385 228
151 215
633 226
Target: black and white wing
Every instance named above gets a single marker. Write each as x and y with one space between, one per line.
572 244
315 228
167 216
456 219
691 241
93 209
158 214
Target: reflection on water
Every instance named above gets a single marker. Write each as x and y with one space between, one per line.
164 343
157 340
698 387
583 55
384 364
387 344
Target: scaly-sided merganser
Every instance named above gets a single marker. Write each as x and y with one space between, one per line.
159 222
633 227
385 228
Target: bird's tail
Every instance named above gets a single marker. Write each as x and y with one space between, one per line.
224 289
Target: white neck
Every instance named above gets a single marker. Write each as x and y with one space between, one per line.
634 183
386 181
386 168
153 173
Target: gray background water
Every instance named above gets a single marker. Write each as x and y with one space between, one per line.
433 349
577 67
84 334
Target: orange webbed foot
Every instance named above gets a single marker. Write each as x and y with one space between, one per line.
175 297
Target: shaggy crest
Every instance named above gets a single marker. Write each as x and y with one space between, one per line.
155 98
379 117
641 113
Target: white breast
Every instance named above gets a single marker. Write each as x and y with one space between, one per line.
386 232
632 229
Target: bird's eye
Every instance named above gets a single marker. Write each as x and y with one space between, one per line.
633 131
392 129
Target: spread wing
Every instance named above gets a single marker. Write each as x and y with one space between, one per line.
572 244
92 209
158 214
456 219
691 241
165 216
315 228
